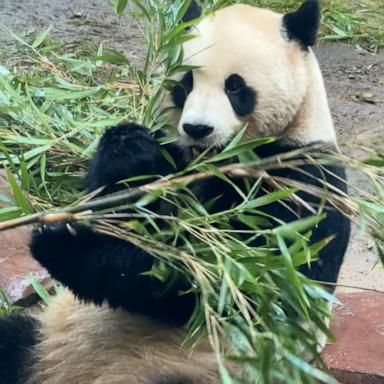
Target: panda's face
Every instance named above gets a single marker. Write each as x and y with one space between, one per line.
246 73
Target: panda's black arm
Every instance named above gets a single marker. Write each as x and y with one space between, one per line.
98 267
126 151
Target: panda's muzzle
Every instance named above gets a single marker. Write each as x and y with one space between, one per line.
198 131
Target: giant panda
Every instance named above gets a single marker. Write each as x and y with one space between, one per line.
252 67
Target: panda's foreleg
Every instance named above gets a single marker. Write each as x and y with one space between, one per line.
126 151
99 267
18 335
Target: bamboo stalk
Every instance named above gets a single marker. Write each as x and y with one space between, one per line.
236 170
119 198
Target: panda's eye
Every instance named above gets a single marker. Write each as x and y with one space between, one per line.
187 81
242 97
181 90
234 84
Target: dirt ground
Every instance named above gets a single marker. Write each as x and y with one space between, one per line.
354 79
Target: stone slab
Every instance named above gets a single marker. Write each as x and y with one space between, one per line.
15 260
16 263
357 355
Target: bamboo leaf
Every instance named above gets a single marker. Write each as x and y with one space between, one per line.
61 94
269 198
41 37
120 8
18 193
40 289
309 369
239 149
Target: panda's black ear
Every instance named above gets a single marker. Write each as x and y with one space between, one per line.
303 24
193 12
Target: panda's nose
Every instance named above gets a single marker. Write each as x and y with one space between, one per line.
197 131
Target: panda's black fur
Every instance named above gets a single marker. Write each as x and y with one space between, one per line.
302 25
99 268
18 335
108 267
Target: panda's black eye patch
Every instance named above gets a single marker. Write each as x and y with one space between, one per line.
182 89
241 96
234 84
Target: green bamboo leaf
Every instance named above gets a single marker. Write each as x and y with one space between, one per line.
120 7
168 157
239 149
148 198
239 337
182 10
322 293
253 221
24 177
292 275
41 37
236 140
309 369
62 94
33 153
5 108
299 226
372 162
9 213
269 198
142 8
19 39
218 173
195 205
18 193
40 289
26 140
112 57
226 377
179 29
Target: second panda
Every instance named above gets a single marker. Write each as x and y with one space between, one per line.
253 67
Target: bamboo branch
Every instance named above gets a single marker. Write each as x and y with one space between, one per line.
129 196
236 170
348 286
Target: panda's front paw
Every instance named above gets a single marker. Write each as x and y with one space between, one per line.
124 151
56 244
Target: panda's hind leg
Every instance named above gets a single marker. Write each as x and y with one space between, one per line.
18 336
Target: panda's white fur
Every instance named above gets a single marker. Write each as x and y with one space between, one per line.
88 344
81 343
291 102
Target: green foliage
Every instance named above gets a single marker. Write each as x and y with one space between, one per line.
256 308
42 292
6 306
53 108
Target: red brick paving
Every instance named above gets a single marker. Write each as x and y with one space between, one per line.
16 263
15 260
357 356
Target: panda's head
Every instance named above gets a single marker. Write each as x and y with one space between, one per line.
252 67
